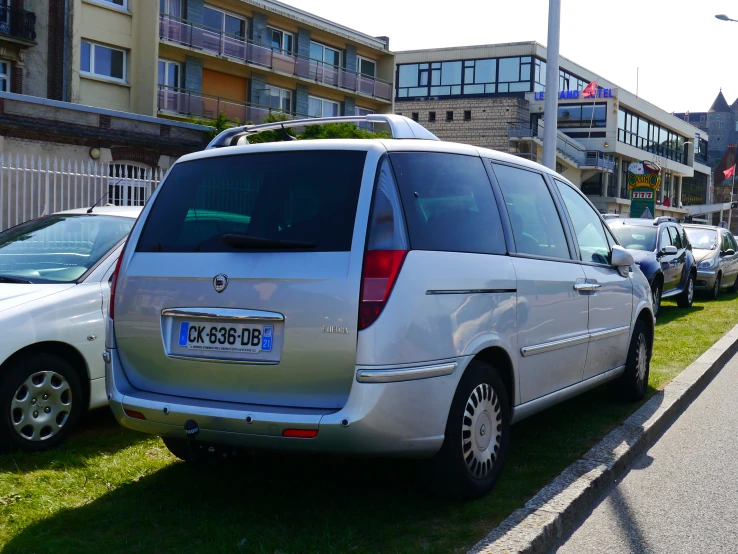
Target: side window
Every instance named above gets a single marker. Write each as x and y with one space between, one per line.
449 203
665 238
536 225
726 241
685 239
731 240
593 245
676 238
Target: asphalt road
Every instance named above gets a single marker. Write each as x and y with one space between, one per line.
682 494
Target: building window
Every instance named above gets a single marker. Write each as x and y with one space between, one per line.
4 77
325 54
281 40
224 22
367 67
103 61
320 107
722 125
169 74
278 98
369 126
449 116
128 183
467 115
702 119
171 7
643 133
121 3
582 115
416 116
431 116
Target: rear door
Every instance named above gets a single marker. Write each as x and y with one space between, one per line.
611 301
667 261
732 260
244 283
552 303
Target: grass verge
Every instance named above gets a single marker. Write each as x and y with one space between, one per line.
109 489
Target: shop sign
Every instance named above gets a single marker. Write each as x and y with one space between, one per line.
644 180
575 94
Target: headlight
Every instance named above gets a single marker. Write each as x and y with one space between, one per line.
706 264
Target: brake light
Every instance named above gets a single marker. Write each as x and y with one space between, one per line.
300 433
381 268
114 282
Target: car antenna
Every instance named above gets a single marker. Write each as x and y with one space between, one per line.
286 136
89 211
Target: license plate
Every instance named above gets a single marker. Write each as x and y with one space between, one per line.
226 337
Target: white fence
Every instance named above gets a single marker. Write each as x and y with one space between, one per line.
33 187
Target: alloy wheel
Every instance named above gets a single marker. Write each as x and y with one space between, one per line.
641 361
690 290
481 431
41 406
656 299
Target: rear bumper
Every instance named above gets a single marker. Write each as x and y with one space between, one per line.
405 418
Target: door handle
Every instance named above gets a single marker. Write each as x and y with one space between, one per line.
586 287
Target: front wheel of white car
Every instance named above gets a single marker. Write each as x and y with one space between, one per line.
40 401
477 435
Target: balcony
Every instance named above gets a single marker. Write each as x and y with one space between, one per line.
200 37
17 23
192 103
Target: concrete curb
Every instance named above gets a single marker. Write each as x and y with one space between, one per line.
561 504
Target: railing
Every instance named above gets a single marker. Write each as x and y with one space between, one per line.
17 23
582 157
30 188
194 35
190 102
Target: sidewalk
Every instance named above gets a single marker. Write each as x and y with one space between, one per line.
682 494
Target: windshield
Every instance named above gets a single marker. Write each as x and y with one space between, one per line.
702 239
635 237
59 248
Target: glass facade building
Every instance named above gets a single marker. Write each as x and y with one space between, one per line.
478 77
649 136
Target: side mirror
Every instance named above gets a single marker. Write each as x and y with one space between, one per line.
621 257
728 252
669 250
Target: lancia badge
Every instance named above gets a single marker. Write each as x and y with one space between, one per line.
220 282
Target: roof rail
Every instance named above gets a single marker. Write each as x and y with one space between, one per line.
664 219
610 216
400 126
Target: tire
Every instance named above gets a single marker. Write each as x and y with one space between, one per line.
476 442
633 383
734 287
656 296
685 299
41 400
715 291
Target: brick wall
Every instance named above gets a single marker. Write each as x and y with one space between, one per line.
487 127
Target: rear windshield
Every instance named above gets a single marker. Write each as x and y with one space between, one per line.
303 201
635 237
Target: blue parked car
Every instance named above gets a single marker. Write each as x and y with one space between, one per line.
662 251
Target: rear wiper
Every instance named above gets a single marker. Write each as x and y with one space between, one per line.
5 279
236 240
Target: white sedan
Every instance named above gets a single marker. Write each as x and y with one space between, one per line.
54 290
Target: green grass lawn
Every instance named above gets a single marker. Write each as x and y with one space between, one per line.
108 489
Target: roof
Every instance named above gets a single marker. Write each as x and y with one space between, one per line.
720 104
734 105
120 211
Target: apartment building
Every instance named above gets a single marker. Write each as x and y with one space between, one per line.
245 58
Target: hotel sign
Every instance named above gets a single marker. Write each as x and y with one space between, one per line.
575 94
644 179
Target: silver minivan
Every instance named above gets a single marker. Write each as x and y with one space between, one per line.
399 297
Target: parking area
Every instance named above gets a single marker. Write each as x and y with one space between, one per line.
108 488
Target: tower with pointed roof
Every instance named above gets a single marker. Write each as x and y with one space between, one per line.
721 124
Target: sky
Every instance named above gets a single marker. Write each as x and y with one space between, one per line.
684 54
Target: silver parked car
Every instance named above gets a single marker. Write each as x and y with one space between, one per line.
716 257
54 291
404 297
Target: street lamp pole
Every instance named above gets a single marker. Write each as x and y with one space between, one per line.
723 17
551 103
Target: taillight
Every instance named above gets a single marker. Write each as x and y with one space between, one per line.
386 248
113 283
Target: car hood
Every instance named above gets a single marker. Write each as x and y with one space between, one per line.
15 294
700 255
640 255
